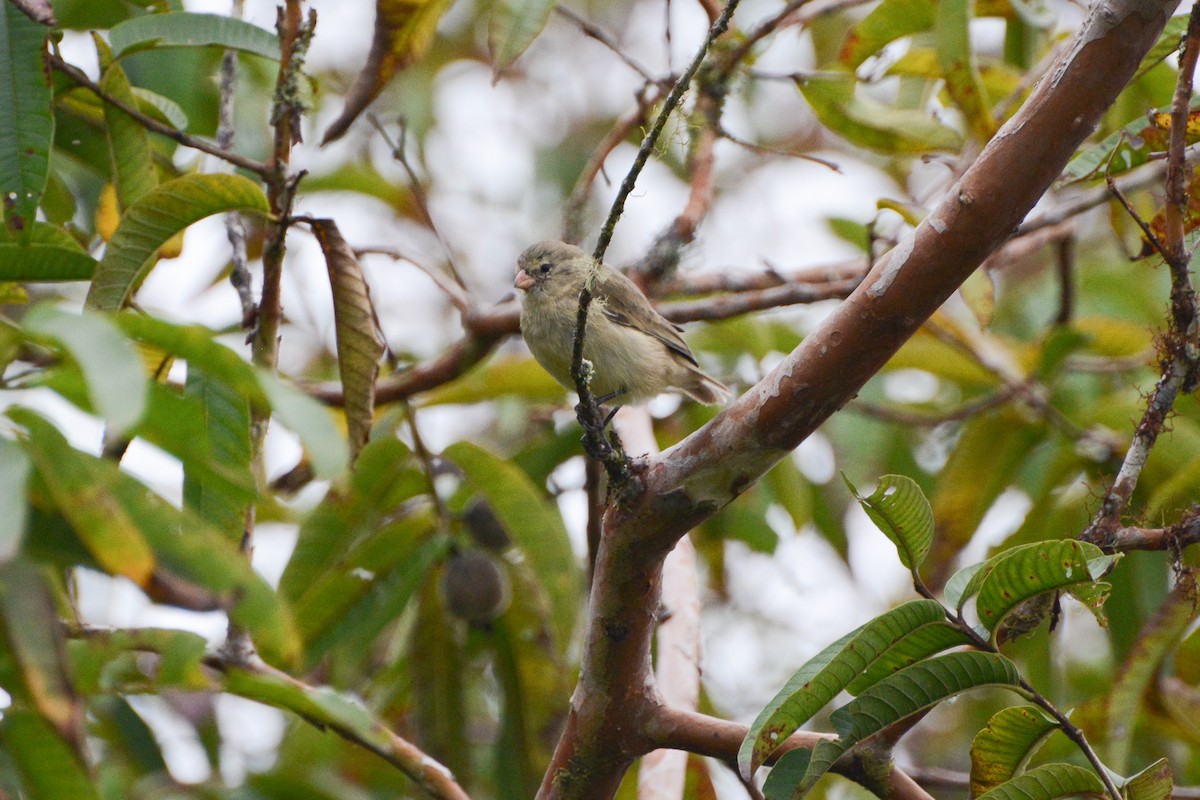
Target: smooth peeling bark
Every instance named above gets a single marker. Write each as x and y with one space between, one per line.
615 701
909 283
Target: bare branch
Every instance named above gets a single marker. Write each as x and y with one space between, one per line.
151 124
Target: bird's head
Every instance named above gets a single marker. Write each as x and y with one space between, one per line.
551 267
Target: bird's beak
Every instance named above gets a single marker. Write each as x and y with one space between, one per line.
524 280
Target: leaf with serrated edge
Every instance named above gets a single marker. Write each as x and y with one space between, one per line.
826 674
1047 782
1005 745
898 508
157 216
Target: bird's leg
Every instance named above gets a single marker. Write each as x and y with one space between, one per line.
611 396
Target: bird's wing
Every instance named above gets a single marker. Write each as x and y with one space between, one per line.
624 304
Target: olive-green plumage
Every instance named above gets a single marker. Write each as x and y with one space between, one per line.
635 352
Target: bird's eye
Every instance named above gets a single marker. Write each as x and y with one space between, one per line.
544 269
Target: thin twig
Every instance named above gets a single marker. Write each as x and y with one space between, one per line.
577 201
418 192
651 139
203 145
1181 348
235 227
594 31
588 410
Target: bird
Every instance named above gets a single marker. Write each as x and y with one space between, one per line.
636 353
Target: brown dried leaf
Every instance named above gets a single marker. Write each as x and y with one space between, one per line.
360 343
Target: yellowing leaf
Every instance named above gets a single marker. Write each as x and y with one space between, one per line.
107 212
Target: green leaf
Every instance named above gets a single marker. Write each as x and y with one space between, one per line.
1152 783
26 120
1135 144
164 109
1139 670
360 343
186 29
898 508
1047 782
44 263
536 687
106 661
355 575
826 674
500 377
116 379
990 450
958 68
130 157
1005 745
788 772
887 22
902 694
512 27
14 507
915 646
156 217
49 767
293 409
319 705
964 584
33 638
868 123
438 671
384 478
1030 570
535 526
383 601
217 479
312 422
1169 42
918 687
119 518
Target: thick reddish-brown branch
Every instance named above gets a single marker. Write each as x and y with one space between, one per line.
606 726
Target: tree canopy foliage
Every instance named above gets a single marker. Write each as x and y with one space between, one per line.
1000 323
